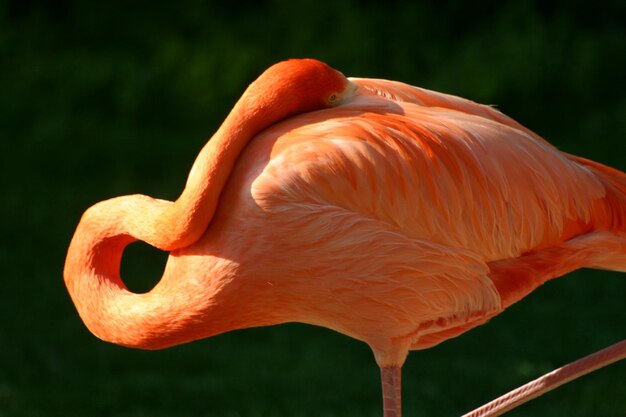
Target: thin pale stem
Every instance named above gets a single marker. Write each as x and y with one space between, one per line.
391 378
550 381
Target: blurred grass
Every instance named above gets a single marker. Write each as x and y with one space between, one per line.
105 99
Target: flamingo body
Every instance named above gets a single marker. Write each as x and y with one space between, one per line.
401 217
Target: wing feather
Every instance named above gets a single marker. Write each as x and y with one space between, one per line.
432 173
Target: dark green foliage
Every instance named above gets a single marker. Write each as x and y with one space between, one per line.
102 99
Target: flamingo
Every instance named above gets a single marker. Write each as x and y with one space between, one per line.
395 215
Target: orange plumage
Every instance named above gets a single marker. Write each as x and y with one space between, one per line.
396 215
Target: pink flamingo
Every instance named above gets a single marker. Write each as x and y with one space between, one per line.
396 215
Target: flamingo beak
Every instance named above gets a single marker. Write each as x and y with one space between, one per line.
351 89
348 92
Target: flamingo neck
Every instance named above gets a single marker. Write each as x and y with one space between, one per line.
169 226
182 306
167 315
157 319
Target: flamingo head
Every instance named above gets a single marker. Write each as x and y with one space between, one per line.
301 85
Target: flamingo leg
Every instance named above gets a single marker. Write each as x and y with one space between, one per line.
551 380
391 378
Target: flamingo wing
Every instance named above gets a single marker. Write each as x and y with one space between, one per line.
432 173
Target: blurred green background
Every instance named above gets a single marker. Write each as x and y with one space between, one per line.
101 99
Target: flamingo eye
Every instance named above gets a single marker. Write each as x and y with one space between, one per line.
332 99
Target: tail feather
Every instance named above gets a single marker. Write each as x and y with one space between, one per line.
517 277
601 247
611 212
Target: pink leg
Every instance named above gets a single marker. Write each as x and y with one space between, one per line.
550 381
391 378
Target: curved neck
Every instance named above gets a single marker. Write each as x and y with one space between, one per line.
165 316
169 226
180 308
285 89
